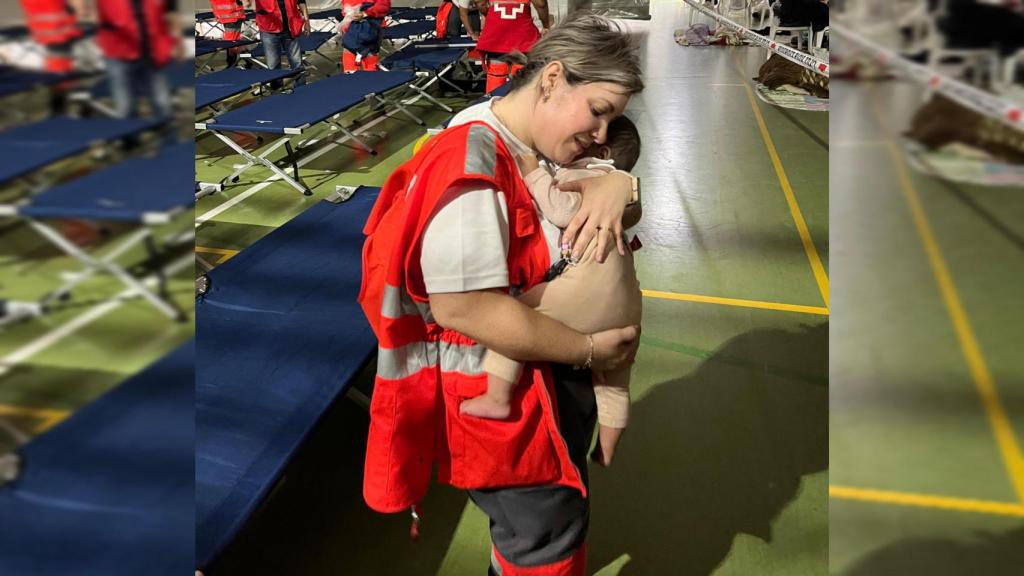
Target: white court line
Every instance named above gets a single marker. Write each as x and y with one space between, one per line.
256 188
50 338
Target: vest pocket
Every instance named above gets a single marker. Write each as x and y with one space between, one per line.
487 453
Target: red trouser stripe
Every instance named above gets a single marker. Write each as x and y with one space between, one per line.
572 566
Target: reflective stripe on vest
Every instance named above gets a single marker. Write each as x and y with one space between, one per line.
227 11
408 360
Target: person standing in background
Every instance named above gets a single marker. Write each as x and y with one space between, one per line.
280 23
362 33
138 38
509 28
54 26
231 15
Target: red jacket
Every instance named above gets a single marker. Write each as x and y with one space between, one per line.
379 9
425 371
509 26
50 21
227 11
268 17
119 35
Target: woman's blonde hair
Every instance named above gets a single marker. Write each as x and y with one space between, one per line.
590 48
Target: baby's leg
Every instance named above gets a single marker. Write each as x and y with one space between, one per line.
612 414
496 404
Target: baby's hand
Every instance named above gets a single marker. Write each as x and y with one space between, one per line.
528 163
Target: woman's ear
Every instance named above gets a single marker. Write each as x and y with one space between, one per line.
550 76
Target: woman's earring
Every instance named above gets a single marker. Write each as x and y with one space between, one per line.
547 94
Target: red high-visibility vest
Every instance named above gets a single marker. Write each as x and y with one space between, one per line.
50 21
509 26
227 11
119 35
425 371
268 17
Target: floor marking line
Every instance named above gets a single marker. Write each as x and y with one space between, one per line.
794 209
736 302
926 501
224 253
980 374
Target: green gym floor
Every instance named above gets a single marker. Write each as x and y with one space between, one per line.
724 469
927 375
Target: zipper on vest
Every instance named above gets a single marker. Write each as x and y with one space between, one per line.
414 529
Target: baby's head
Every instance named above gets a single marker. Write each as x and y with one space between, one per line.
621 145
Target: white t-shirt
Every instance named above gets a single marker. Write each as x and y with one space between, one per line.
467 4
465 245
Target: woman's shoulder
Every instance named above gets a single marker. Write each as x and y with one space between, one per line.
476 113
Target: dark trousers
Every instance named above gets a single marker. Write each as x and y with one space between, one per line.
538 525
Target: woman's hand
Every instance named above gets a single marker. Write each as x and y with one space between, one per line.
600 214
615 348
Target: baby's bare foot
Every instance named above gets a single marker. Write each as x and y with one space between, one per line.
486 407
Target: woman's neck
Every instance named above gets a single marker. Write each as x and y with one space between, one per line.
514 112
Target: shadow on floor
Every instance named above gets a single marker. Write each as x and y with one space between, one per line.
988 553
716 453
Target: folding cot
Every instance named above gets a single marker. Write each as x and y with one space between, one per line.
111 489
221 85
211 46
142 190
308 44
411 14
14 80
325 20
291 114
409 31
27 148
179 75
12 311
430 60
293 294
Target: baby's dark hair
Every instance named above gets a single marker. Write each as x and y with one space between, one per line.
623 140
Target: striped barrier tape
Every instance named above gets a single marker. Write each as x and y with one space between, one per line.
977 100
802 58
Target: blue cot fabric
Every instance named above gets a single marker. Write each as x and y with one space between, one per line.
409 29
216 86
110 491
206 46
306 43
14 80
412 13
281 338
432 57
126 191
310 103
32 146
179 74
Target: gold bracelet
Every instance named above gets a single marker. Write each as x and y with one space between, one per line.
590 356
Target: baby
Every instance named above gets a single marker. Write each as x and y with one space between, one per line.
587 296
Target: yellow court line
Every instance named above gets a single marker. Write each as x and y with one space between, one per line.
736 302
980 374
926 501
225 253
47 416
805 236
